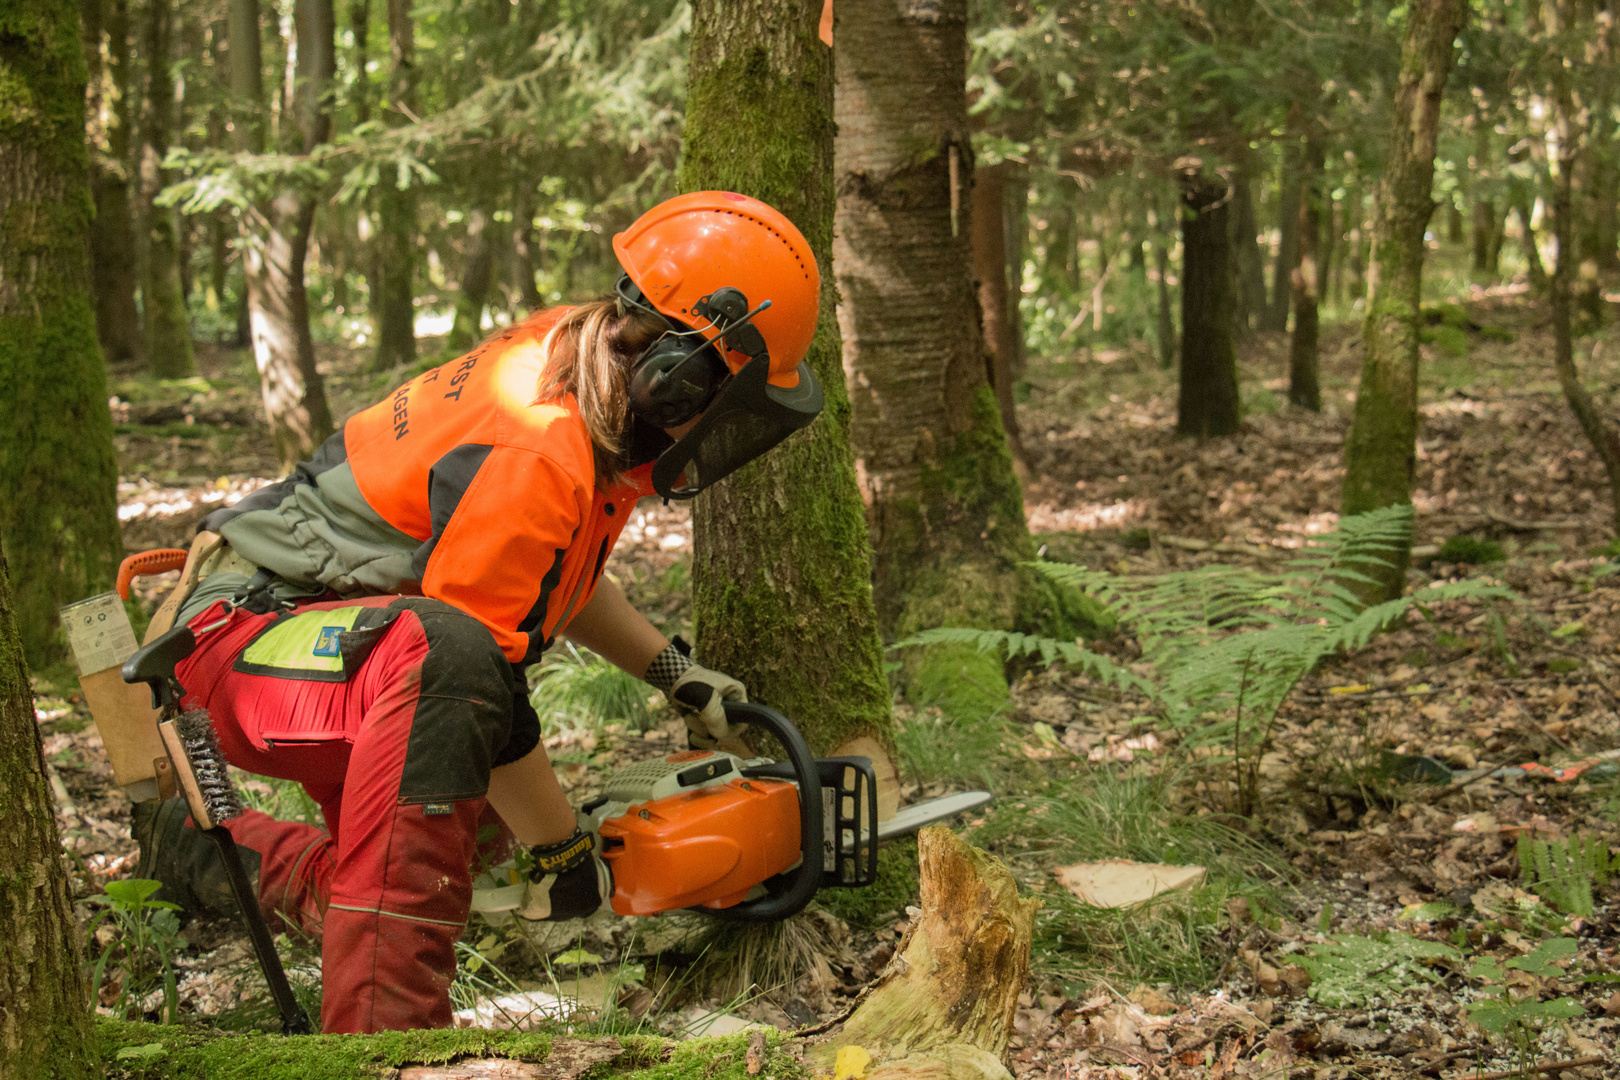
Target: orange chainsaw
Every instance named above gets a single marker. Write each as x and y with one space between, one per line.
749 840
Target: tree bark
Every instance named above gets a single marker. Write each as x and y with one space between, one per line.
997 302
1304 377
1251 303
1485 215
1208 403
45 1025
1381 450
163 297
945 507
1282 271
392 300
1166 324
945 1004
782 592
277 244
477 266
58 473
1558 18
1529 246
112 235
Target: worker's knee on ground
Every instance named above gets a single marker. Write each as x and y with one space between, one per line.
464 712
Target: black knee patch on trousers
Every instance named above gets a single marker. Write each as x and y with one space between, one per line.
464 713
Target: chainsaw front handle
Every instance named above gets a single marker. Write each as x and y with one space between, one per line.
805 880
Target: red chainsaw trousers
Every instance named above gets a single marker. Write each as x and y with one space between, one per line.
388 710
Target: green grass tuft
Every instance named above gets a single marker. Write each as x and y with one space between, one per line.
1470 550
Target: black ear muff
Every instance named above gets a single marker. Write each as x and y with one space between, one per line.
671 383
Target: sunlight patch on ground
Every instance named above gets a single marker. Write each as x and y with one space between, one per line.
1046 518
1458 407
143 499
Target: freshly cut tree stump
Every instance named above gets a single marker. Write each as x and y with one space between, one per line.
944 1006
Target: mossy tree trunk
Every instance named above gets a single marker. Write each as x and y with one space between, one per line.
276 233
1208 403
163 297
998 300
45 1024
782 572
1380 453
478 265
944 503
1304 363
391 298
112 236
58 474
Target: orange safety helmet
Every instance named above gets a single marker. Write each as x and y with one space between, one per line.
689 247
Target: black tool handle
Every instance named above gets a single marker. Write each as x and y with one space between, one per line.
806 878
294 1021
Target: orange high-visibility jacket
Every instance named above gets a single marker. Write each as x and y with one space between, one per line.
460 486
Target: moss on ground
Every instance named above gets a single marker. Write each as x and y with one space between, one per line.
135 1051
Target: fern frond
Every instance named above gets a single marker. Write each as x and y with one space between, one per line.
1049 650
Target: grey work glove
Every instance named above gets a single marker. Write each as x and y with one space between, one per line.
700 694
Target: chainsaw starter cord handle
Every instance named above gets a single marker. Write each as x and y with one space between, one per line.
804 881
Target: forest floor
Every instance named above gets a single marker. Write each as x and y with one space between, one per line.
1344 927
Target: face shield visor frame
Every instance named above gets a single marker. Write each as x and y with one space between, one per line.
746 418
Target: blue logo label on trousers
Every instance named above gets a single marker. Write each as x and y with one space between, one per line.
327 643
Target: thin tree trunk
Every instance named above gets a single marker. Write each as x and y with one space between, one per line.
1304 378
58 473
1529 246
781 573
945 506
1484 210
394 314
1015 212
1328 259
45 1028
112 236
1208 403
1601 432
1250 306
1282 271
995 305
1380 452
163 298
1166 321
526 250
1355 244
477 268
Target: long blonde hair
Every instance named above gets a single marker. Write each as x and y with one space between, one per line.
589 354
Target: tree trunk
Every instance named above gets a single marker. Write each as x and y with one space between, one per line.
58 474
1355 243
526 249
944 1006
1485 216
946 510
45 1026
1208 403
274 251
393 310
112 235
1601 432
1328 258
781 589
1381 449
1250 307
1282 271
1166 324
1304 378
1529 246
997 302
477 266
1015 212
163 297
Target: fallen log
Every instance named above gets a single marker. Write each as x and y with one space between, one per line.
944 1005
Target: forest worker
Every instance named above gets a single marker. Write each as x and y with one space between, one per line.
364 626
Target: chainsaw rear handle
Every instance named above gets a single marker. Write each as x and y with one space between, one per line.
804 881
148 562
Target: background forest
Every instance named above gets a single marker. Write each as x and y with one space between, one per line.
1226 472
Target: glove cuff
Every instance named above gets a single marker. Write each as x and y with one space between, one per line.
668 666
561 857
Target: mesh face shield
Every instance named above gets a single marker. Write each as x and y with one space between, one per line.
746 418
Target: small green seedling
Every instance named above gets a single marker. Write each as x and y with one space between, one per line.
1564 872
142 950
1521 1021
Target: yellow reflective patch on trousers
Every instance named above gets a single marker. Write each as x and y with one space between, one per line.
306 643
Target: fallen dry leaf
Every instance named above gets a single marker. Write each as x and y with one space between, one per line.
1115 883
